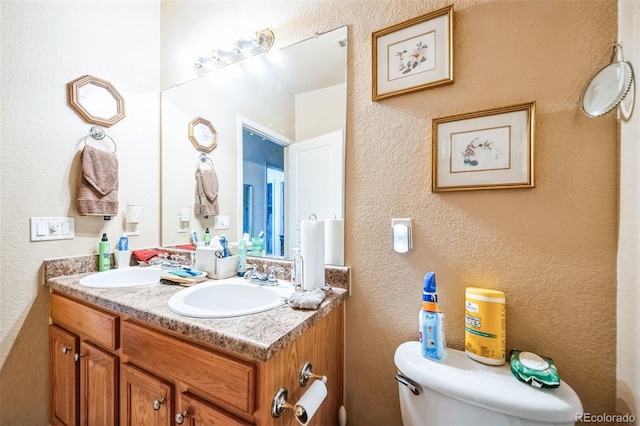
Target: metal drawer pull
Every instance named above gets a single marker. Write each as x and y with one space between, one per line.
180 417
158 403
413 386
76 357
66 349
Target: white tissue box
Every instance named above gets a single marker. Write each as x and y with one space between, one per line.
226 267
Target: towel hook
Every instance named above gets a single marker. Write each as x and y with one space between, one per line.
99 134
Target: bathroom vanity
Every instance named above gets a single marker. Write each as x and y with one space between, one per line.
120 356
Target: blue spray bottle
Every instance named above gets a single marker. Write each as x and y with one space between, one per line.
431 321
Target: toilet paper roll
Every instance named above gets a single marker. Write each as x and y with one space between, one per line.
334 242
309 403
312 251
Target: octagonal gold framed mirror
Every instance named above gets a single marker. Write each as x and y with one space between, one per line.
95 100
202 134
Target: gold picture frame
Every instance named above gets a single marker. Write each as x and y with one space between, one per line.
413 55
491 149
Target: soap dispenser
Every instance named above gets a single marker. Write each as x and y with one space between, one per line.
104 254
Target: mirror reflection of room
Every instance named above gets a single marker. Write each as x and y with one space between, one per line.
280 152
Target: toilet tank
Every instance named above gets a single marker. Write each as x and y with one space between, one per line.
460 391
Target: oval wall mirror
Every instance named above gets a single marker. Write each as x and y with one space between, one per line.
609 87
95 100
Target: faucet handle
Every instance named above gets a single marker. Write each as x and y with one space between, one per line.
273 276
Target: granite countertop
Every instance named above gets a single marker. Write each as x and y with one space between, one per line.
259 336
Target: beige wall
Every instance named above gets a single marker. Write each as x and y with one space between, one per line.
44 46
628 365
552 249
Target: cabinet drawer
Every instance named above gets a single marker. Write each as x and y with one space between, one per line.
223 380
198 412
97 326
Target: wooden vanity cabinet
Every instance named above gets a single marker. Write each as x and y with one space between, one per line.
107 370
84 366
215 388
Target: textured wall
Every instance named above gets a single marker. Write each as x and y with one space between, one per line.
551 249
44 46
628 389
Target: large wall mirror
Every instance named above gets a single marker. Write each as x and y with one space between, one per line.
280 120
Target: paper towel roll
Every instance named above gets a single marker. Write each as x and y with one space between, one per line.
312 251
334 242
310 402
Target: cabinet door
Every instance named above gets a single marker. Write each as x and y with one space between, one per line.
63 377
98 386
197 412
145 399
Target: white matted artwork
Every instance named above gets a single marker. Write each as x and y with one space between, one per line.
489 149
413 55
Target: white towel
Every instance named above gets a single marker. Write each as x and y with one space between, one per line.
306 299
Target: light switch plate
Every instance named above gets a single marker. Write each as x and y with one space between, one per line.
52 228
221 222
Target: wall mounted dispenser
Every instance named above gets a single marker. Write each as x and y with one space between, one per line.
401 235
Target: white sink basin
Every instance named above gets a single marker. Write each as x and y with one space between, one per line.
128 277
231 297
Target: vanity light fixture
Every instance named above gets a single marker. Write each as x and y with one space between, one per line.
133 218
242 49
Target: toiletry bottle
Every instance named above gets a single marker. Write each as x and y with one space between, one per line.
431 321
104 254
242 257
225 248
207 237
123 243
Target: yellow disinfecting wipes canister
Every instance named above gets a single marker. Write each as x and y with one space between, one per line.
484 325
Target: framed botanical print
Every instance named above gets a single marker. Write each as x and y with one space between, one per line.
490 149
413 55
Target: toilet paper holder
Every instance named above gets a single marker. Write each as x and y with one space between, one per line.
306 374
280 403
305 408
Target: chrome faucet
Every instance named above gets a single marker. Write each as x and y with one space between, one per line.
254 276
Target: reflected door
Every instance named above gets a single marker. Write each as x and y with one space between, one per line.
315 181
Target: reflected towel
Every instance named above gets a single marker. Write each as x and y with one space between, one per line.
145 255
98 188
306 299
206 192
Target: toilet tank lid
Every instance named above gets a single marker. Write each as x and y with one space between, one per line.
490 387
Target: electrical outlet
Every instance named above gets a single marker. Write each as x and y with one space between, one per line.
221 222
52 228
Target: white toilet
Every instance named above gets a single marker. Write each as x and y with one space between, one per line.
461 391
